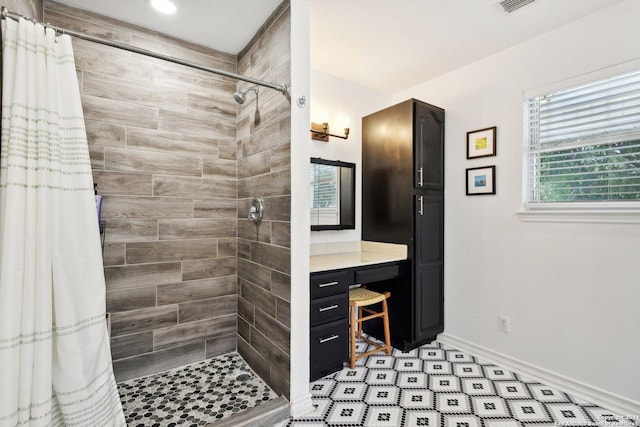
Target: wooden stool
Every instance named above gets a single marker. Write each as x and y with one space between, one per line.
361 297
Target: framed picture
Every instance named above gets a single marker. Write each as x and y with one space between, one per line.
481 143
481 181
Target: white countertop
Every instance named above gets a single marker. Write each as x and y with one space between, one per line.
333 256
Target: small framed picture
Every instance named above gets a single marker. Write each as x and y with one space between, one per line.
481 143
481 181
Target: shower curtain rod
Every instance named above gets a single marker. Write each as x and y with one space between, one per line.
279 87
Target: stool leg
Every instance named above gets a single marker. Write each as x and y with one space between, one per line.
359 323
385 319
353 324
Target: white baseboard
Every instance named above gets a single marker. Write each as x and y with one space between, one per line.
602 398
301 407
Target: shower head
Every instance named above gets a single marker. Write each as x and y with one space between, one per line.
241 96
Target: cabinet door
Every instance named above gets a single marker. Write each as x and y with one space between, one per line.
429 147
429 227
428 265
429 301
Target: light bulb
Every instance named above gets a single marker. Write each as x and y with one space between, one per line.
164 6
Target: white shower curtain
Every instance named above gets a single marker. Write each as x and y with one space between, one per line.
55 365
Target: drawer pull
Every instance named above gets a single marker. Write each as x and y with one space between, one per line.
331 338
324 285
331 307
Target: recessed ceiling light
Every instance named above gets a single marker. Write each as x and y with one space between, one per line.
164 6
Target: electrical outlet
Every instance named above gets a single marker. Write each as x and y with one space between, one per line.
504 324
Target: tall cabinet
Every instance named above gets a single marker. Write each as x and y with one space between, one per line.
403 202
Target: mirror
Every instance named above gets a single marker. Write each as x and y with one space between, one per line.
333 190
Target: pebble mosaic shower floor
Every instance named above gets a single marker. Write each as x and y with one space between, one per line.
193 395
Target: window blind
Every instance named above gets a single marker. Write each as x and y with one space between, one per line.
584 142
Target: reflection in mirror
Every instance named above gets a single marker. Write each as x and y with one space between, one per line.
332 191
325 194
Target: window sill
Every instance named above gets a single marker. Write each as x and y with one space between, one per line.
611 216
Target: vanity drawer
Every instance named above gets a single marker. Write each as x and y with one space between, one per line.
328 309
329 346
328 284
377 274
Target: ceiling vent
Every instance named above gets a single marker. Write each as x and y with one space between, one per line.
511 5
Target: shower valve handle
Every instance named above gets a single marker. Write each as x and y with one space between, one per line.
256 211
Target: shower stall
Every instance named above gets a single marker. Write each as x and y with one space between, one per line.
178 155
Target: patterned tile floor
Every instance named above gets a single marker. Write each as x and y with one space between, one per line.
438 386
193 395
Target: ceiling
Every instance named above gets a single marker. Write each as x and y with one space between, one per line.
225 25
386 45
392 45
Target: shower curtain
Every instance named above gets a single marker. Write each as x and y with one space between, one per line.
55 364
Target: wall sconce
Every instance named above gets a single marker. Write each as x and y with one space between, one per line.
320 132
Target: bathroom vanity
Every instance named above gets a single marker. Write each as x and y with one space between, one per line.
334 268
403 206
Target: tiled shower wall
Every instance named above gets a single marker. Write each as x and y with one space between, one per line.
264 169
162 143
164 152
28 8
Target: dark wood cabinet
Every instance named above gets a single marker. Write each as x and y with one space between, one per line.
329 317
329 310
403 202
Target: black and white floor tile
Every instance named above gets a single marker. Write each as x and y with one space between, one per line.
439 386
194 395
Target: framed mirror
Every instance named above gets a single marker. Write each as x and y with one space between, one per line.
333 195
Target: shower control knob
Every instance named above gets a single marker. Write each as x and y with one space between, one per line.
256 210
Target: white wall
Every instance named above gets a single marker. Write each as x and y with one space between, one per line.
571 290
342 99
300 395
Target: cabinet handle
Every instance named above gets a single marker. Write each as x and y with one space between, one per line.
331 338
324 285
331 307
421 211
420 177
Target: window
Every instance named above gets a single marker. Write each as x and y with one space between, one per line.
584 145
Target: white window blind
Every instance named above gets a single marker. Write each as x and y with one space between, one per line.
584 143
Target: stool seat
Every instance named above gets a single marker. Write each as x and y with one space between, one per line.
361 297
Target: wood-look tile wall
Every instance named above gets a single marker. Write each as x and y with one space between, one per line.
28 8
264 257
162 139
